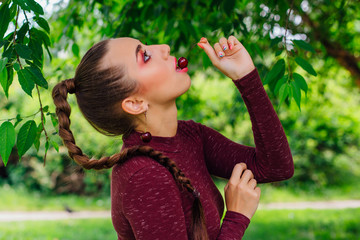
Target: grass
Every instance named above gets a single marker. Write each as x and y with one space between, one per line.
21 199
58 230
266 224
304 224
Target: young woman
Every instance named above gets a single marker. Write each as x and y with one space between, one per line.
161 186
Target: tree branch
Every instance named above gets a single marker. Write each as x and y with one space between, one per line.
333 48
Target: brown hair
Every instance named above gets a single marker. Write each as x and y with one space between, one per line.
98 92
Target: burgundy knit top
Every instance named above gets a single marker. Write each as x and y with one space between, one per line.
147 204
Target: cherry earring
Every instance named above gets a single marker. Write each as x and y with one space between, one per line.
145 137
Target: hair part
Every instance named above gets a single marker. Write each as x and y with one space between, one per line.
99 92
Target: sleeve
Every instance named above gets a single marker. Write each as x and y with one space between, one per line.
233 226
271 159
152 205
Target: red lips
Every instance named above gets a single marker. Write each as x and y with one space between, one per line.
182 63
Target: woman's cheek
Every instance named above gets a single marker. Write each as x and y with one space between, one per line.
153 80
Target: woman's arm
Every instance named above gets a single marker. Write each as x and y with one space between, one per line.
152 205
271 159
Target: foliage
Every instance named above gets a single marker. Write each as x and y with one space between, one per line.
40 50
171 22
23 53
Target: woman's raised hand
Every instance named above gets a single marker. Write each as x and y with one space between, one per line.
229 56
241 193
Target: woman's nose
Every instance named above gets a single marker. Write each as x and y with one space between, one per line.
165 50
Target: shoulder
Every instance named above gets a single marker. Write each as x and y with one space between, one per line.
138 169
123 171
190 126
195 128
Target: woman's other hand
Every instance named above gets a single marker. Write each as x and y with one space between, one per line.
229 56
241 193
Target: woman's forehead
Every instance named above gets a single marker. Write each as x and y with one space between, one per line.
121 51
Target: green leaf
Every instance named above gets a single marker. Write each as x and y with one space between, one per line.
26 82
75 49
37 76
4 19
54 120
7 140
35 46
276 72
10 52
38 135
26 137
55 145
22 32
46 146
300 81
297 93
4 81
16 66
46 108
3 63
42 23
23 51
304 45
283 93
279 83
22 4
290 91
34 6
305 65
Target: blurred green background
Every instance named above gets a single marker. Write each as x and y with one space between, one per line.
324 136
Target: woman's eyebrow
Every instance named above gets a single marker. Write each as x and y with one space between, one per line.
138 48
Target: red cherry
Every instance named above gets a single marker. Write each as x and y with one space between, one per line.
182 62
146 137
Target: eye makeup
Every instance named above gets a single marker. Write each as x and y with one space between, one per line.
146 55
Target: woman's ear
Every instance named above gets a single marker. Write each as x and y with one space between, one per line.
134 106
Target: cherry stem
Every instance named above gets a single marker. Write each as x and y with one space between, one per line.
187 57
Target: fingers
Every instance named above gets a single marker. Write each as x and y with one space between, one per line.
258 191
209 51
218 50
233 41
252 183
247 175
236 173
223 42
221 48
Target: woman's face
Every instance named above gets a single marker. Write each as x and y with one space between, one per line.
150 65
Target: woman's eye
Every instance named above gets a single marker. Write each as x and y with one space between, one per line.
146 56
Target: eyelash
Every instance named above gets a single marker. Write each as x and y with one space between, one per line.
146 55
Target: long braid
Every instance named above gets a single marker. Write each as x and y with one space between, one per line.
63 110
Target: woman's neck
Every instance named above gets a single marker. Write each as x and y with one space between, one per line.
160 121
